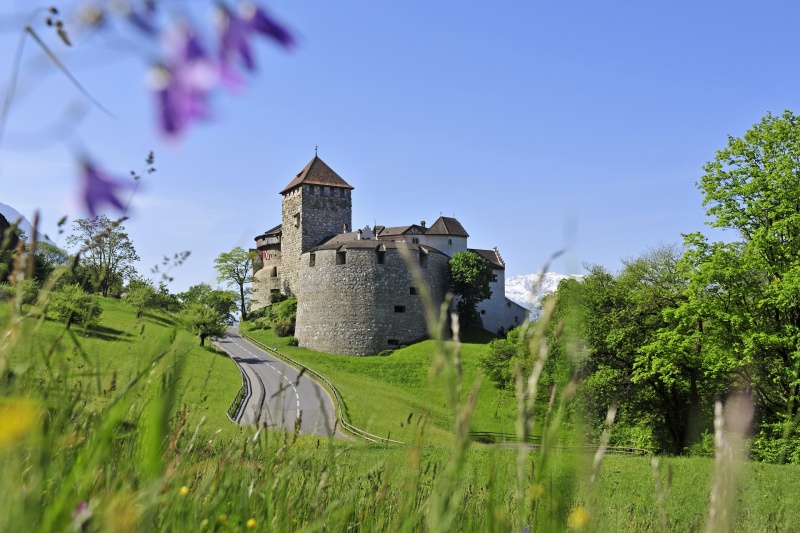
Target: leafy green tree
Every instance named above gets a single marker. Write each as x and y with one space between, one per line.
105 250
470 275
72 305
204 322
236 268
222 301
498 360
141 296
744 294
49 257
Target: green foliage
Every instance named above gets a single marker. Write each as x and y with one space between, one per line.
470 275
29 288
105 251
498 361
236 268
284 327
141 296
222 301
204 321
72 305
292 341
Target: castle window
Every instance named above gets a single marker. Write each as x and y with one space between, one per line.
311 190
297 220
274 273
449 241
341 193
415 240
494 278
341 258
423 259
312 260
483 311
399 308
393 342
515 320
381 257
508 304
412 290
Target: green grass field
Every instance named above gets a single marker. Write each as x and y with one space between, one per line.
94 436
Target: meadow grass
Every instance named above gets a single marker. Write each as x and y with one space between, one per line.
99 432
382 394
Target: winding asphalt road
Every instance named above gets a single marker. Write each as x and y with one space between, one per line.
278 395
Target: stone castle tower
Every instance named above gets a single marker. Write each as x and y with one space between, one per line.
316 204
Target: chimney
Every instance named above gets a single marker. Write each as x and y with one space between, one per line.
344 228
422 223
359 234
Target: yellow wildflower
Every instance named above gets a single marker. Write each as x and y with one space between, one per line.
579 518
251 524
537 491
184 491
17 418
222 519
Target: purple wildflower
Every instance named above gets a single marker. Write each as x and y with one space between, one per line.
183 85
260 21
100 188
234 39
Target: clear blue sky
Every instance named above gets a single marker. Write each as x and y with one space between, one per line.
536 124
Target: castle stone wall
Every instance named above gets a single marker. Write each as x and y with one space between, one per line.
362 307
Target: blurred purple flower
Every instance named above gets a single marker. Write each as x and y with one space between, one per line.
183 85
260 21
234 39
99 188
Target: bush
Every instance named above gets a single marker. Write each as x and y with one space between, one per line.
73 305
28 287
284 327
292 341
261 323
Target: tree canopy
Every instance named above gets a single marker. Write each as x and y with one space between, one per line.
470 275
105 250
235 268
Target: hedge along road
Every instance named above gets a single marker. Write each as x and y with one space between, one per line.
278 395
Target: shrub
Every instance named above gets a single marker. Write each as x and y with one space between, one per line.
28 287
292 341
261 323
6 291
284 327
73 305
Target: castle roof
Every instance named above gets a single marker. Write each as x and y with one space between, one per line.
277 230
316 172
447 226
492 256
350 241
413 229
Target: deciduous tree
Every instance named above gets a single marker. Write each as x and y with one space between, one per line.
235 268
470 275
105 249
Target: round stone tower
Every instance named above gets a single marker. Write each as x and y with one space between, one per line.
316 204
358 298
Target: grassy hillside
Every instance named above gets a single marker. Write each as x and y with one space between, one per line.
94 437
383 393
100 361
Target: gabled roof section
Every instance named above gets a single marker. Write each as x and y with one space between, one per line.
413 229
316 172
447 226
492 256
277 230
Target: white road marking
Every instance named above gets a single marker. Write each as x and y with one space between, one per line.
297 395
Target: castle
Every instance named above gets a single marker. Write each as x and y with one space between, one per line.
354 291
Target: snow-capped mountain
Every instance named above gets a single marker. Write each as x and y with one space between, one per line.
12 215
520 288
